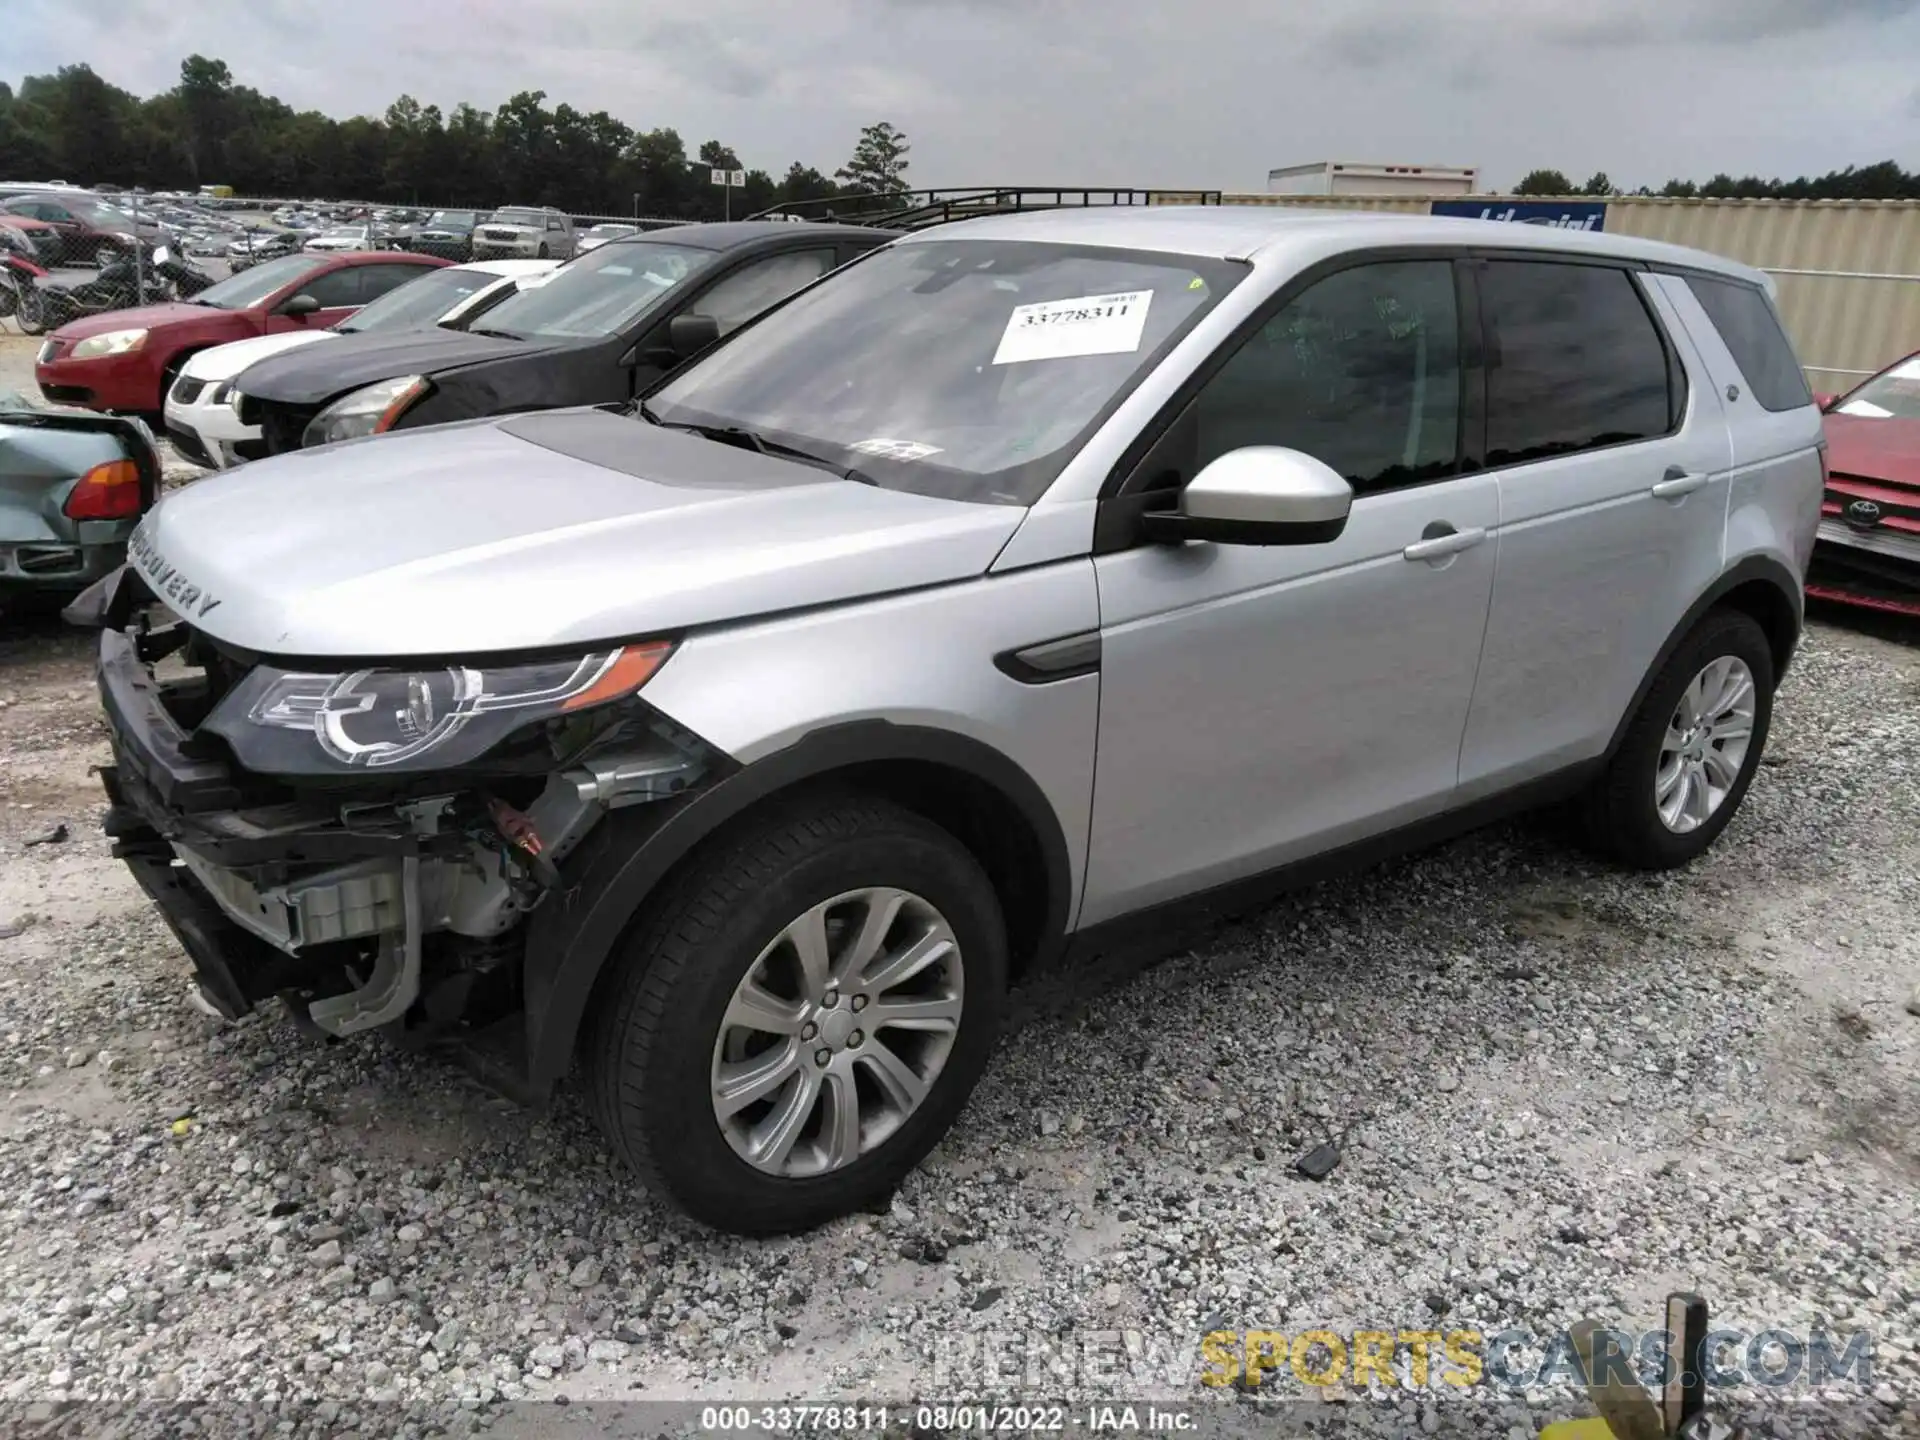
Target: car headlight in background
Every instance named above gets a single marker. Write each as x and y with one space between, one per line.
282 722
113 342
367 411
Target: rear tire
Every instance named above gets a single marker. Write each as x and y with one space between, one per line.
32 313
667 1040
1690 750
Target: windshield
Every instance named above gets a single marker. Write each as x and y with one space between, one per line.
251 286
600 293
520 217
455 218
966 369
418 303
345 232
1894 395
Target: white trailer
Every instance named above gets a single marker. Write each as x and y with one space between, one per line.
1340 177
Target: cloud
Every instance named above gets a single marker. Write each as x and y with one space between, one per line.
1085 92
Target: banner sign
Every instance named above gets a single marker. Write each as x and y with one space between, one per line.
1556 214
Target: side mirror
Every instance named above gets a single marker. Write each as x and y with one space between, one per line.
690 334
300 306
1261 495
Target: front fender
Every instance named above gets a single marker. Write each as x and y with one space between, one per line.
625 858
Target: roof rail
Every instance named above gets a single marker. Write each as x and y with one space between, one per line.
918 209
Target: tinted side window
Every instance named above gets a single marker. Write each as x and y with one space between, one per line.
1361 371
1747 322
334 289
1573 361
759 284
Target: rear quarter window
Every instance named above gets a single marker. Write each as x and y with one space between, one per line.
1751 329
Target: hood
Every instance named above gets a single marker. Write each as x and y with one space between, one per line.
141 317
1874 449
308 377
515 226
566 528
223 362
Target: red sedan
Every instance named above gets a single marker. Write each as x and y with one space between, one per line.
1869 548
125 360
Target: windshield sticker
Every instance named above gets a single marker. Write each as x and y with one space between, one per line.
1062 329
895 449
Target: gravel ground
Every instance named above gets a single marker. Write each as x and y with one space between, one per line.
1560 1092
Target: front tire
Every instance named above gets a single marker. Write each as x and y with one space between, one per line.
32 314
800 1016
543 253
1690 750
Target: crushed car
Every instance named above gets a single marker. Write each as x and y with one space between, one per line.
1869 549
72 488
1021 586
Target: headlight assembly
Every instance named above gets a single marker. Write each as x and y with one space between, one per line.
284 722
113 342
371 410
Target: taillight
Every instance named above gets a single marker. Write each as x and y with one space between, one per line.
110 491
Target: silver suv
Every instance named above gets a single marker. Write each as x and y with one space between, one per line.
1023 582
521 232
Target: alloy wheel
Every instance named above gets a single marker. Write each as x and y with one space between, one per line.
1705 747
836 1033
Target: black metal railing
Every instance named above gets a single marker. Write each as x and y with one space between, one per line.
918 209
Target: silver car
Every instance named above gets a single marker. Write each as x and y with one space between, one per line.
1024 583
525 233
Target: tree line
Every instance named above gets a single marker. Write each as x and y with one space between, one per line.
1885 181
208 130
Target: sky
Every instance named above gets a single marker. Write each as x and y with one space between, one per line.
1166 93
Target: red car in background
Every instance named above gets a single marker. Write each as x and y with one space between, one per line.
125 360
1869 547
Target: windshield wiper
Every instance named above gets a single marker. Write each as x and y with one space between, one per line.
753 440
496 334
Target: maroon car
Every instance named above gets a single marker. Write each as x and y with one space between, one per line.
82 223
1869 548
125 361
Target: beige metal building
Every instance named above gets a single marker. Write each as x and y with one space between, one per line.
1343 177
1847 272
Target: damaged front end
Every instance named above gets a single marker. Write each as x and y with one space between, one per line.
365 842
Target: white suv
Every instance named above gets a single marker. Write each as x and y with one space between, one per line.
520 232
1020 582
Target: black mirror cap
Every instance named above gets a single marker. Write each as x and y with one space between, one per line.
1170 527
301 304
690 334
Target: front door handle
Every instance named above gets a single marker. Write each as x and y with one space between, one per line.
1678 484
1439 546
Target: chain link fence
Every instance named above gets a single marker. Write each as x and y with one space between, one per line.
103 248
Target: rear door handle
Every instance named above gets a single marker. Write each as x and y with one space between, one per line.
1678 483
1438 547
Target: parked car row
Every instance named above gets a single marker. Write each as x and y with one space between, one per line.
807 631
202 408
127 360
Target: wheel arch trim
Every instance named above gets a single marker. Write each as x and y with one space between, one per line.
626 857
1755 569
